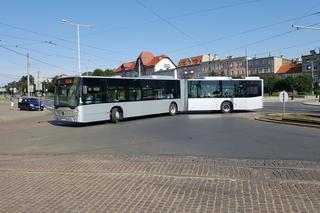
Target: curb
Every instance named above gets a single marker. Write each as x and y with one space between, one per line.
288 123
311 103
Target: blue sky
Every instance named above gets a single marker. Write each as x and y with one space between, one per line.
125 28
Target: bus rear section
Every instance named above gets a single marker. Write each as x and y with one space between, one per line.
225 94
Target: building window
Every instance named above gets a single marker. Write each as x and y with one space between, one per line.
166 66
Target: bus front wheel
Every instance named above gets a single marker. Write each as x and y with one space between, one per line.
115 115
226 107
173 109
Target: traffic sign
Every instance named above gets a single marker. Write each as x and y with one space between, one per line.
283 96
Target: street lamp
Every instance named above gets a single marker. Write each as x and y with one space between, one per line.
64 21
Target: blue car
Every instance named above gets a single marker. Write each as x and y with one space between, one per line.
30 104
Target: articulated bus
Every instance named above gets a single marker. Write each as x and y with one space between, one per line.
91 98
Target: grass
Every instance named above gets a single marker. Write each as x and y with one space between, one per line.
300 118
5 99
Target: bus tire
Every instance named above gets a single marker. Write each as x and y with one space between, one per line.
226 107
115 115
173 109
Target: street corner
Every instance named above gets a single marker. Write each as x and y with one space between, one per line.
11 112
304 120
313 102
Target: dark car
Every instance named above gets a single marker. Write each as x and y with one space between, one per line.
30 104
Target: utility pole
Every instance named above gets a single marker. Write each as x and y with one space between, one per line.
209 68
139 68
38 89
78 38
310 27
28 77
247 66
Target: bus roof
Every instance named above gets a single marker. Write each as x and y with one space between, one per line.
227 78
120 77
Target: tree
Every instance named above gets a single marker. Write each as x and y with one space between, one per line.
49 85
270 82
292 83
99 72
304 82
316 88
109 72
20 85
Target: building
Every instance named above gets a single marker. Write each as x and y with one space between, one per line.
195 66
147 64
311 64
231 66
293 69
190 67
126 69
269 64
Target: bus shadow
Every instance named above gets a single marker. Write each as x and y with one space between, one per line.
202 112
77 125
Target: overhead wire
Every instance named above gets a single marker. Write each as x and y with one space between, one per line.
244 32
34 59
263 40
174 17
288 47
170 24
59 45
62 39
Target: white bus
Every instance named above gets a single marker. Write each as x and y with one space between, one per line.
225 94
88 99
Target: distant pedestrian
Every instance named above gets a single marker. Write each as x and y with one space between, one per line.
11 105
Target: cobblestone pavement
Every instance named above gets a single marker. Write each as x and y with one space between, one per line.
110 183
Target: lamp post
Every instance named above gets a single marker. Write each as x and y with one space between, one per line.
310 27
64 21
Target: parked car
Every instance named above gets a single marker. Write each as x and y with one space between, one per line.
30 104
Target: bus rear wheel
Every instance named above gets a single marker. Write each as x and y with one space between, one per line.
173 109
115 115
226 107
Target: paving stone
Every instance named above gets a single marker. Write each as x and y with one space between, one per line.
109 183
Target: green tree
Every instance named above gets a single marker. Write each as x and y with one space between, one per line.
316 88
87 73
98 72
22 84
108 72
270 82
50 85
292 84
304 83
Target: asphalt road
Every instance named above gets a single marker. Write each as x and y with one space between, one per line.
235 135
291 107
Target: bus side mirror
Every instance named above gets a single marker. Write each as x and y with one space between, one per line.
85 90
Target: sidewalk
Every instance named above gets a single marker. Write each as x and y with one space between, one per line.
313 102
108 183
10 114
296 99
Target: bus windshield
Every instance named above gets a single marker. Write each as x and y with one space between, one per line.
66 92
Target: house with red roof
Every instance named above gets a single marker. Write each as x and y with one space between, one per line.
292 69
192 67
148 64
